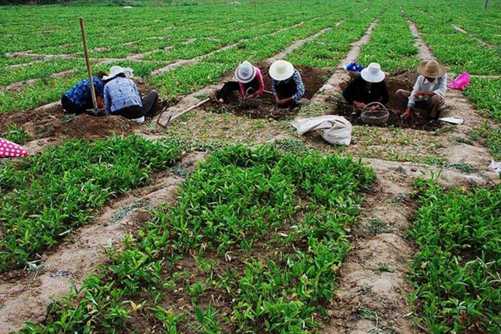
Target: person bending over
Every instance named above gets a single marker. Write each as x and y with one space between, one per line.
78 98
248 83
428 93
369 87
287 84
121 96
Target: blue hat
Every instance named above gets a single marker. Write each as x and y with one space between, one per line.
353 67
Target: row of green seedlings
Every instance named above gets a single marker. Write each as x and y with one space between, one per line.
179 81
252 246
187 79
391 44
207 40
49 32
44 197
459 51
456 270
467 14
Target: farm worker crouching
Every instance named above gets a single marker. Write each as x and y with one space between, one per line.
248 82
78 98
287 84
121 96
369 87
428 92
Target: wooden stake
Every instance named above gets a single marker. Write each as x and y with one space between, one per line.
87 63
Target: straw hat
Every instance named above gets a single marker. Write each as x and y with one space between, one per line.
431 69
116 70
373 73
245 72
281 70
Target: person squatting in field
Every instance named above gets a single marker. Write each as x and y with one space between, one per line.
287 84
121 96
428 93
78 98
369 86
248 82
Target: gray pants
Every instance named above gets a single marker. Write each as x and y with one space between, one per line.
433 105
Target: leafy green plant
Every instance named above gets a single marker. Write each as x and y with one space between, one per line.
455 270
16 134
236 206
46 196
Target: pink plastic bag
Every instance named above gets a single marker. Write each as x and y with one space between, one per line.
461 82
11 150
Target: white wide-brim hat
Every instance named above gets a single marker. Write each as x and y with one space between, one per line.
116 70
373 73
281 70
245 72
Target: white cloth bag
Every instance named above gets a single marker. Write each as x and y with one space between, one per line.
336 130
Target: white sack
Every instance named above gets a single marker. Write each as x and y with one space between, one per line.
336 129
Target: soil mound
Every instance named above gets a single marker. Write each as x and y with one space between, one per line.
264 107
52 122
394 81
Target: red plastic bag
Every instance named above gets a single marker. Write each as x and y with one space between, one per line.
461 82
11 150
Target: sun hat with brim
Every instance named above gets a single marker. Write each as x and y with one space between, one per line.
116 70
431 69
245 72
373 73
281 70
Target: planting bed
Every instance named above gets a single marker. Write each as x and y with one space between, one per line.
397 80
264 107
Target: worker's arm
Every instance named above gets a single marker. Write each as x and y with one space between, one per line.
107 100
412 98
442 88
300 87
349 92
384 94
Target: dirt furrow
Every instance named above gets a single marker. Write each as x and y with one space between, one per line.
197 97
196 60
461 30
26 299
297 45
340 75
458 150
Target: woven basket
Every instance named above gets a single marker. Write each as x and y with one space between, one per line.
377 116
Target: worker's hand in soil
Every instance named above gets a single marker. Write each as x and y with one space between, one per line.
358 105
407 114
100 102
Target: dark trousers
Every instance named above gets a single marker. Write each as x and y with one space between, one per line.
228 91
72 108
433 105
148 108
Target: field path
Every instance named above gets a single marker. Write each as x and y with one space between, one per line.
27 298
195 98
340 75
373 290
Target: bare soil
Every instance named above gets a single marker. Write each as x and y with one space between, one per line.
264 107
397 80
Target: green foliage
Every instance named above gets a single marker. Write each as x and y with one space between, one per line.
45 196
486 95
15 134
391 44
456 270
236 199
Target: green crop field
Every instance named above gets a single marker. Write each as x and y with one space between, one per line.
264 231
